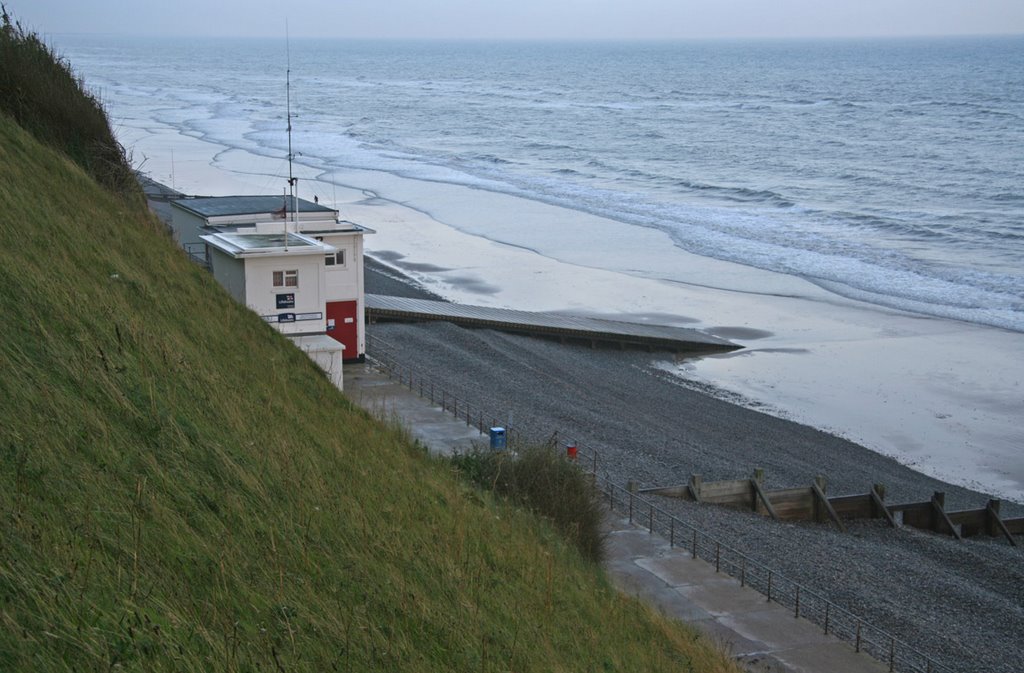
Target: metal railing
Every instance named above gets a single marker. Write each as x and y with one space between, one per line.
196 253
775 586
474 416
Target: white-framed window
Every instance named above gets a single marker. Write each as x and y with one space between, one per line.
289 278
337 259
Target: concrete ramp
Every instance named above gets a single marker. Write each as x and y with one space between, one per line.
552 325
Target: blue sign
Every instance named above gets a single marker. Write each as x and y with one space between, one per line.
286 300
285 317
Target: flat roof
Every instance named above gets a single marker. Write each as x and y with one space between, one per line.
340 227
227 206
246 245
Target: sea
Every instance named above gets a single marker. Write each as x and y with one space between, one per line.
888 171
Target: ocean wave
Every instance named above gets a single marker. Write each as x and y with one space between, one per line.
739 194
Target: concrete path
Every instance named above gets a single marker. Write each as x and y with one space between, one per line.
763 636
437 429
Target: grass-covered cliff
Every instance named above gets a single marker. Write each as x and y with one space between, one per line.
182 490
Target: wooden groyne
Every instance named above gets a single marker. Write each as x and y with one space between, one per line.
593 331
811 503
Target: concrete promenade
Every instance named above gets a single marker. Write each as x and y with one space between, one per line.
763 636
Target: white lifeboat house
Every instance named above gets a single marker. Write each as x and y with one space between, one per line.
292 261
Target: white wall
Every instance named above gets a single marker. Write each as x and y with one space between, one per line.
185 227
346 284
229 272
310 295
326 353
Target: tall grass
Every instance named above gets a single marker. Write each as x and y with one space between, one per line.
40 91
541 480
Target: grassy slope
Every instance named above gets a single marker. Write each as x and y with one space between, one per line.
181 490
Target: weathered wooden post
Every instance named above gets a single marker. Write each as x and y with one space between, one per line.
818 510
822 505
940 520
758 480
879 507
992 528
938 504
695 487
995 522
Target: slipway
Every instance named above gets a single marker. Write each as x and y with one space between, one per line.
594 331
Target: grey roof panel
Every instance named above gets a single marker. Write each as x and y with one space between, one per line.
221 206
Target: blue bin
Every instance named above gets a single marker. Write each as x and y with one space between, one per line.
497 439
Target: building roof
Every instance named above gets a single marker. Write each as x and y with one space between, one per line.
227 206
251 245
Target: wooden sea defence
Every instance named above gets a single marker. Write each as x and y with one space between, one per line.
811 503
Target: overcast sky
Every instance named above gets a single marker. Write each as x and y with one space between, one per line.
529 19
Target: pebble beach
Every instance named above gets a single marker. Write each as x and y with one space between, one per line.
959 601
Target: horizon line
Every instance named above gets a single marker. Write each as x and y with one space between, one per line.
410 38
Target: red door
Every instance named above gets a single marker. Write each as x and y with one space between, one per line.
342 314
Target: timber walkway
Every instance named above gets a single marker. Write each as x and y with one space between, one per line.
552 325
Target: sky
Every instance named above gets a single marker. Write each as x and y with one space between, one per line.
524 19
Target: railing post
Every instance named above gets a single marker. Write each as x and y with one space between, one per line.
827 604
650 521
718 555
743 571
631 506
892 654
695 543
856 646
671 532
769 586
796 609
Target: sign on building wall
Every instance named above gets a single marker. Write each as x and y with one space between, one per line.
286 300
292 317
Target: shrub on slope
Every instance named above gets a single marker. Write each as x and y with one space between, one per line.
39 90
180 489
543 481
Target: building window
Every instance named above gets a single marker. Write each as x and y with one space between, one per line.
337 259
286 278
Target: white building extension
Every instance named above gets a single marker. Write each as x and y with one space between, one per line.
308 284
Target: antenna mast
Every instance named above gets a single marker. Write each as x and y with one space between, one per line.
292 180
